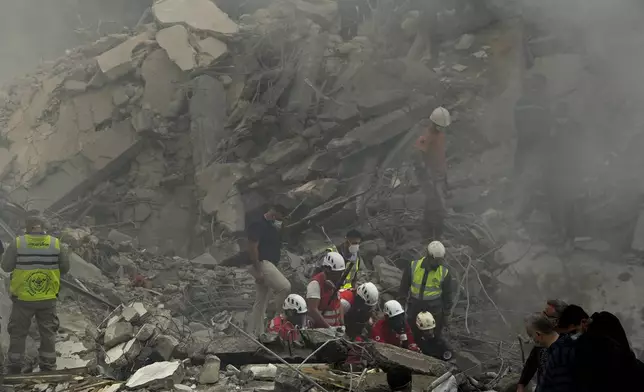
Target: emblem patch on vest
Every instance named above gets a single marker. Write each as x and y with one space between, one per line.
38 283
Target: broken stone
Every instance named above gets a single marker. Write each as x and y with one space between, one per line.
93 108
207 119
117 237
315 192
122 354
260 372
281 152
182 388
164 345
118 333
592 244
120 97
163 84
317 163
146 332
143 120
459 67
287 380
205 260
6 158
201 15
388 275
134 313
158 376
223 198
75 86
210 371
118 61
638 235
372 248
389 356
75 237
465 42
175 41
210 50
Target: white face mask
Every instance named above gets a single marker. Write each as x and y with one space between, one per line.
353 249
277 224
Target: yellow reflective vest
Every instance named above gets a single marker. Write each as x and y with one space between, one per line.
36 276
354 269
433 284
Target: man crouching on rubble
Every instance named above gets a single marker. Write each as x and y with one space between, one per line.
35 261
288 324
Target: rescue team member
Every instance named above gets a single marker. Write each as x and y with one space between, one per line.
431 171
287 324
357 307
428 342
35 261
350 250
322 294
394 328
428 285
264 251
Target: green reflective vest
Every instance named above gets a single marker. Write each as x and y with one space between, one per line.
354 269
435 278
37 274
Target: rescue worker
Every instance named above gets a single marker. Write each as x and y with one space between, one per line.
428 286
288 324
357 307
393 328
36 261
350 250
431 171
322 293
428 342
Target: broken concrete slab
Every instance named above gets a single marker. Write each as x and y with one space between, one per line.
201 15
317 163
122 354
315 192
117 237
6 159
205 260
388 356
210 371
146 332
223 197
176 42
164 345
158 376
164 84
638 235
83 270
388 275
134 313
210 50
117 62
283 151
287 380
207 119
75 86
93 108
118 333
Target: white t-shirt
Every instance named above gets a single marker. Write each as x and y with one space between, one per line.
313 290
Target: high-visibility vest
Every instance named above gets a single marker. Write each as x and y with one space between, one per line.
37 273
354 269
329 307
433 284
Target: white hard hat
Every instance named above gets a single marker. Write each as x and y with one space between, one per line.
295 302
440 116
393 308
436 249
369 293
334 260
425 321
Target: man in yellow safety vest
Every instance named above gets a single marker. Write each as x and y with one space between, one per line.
350 250
35 261
427 286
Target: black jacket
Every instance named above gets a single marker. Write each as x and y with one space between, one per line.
559 373
532 365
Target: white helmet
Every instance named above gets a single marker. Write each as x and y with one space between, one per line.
436 249
295 302
334 260
369 293
440 116
425 321
393 308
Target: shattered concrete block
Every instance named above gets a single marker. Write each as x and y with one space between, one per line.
210 50
122 354
158 376
315 192
75 237
259 372
287 380
201 15
146 332
207 119
320 162
118 333
75 86
93 108
84 270
181 388
286 150
175 41
210 371
388 275
134 312
164 82
118 61
638 235
164 345
388 356
374 247
117 237
6 158
465 42
119 96
205 260
223 199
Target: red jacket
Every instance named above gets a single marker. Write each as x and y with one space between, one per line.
348 295
383 334
331 308
284 328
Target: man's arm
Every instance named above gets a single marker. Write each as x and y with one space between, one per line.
447 296
405 284
530 367
313 295
9 259
63 259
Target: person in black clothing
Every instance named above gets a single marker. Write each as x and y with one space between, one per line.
264 252
573 321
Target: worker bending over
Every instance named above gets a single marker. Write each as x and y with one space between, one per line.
35 261
357 307
322 294
428 286
394 329
350 250
428 342
288 324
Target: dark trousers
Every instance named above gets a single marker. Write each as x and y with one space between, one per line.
19 322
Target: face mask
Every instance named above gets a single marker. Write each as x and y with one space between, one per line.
277 224
353 249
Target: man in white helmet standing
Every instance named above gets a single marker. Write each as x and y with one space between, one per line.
322 295
427 286
431 171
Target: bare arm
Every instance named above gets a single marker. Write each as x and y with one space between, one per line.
9 258
314 312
